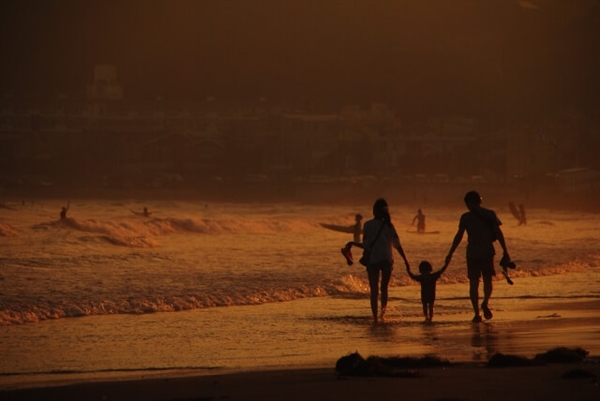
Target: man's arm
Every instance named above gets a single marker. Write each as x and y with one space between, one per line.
501 241
457 238
499 234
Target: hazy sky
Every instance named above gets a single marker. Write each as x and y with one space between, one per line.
437 55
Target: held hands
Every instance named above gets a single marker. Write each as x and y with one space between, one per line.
448 258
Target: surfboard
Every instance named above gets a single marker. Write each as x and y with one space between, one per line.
514 211
141 213
341 229
422 232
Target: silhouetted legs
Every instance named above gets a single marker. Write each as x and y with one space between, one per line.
474 293
375 287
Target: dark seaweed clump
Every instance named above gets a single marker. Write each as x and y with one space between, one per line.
556 355
355 365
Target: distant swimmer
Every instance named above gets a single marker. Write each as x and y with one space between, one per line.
63 212
420 219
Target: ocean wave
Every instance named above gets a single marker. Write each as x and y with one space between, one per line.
124 228
227 226
44 310
347 285
6 230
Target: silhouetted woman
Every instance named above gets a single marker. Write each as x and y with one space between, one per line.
379 237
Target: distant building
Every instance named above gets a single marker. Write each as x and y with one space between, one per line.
579 180
105 86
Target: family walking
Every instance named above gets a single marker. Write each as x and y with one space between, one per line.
380 238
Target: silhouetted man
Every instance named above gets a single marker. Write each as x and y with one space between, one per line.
483 229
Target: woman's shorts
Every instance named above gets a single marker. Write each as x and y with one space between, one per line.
383 266
477 268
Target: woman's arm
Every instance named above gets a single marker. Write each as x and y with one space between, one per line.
398 246
354 243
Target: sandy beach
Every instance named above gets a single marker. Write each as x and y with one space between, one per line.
460 382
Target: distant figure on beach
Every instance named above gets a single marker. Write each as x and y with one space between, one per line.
63 212
420 219
379 237
523 220
514 211
428 280
483 229
357 227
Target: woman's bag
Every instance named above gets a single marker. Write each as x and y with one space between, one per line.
366 256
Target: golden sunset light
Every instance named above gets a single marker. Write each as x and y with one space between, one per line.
299 199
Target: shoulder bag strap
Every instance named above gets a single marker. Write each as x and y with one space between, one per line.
378 233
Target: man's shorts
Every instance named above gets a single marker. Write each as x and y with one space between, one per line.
477 268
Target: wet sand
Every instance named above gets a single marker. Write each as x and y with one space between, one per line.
473 380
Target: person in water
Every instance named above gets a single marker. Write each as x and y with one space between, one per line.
357 227
144 212
483 229
379 237
523 217
63 212
420 219
428 280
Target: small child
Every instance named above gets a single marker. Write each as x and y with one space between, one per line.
427 280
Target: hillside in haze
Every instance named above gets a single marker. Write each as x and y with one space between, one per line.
511 60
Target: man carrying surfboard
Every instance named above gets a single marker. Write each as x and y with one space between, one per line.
356 229
483 229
